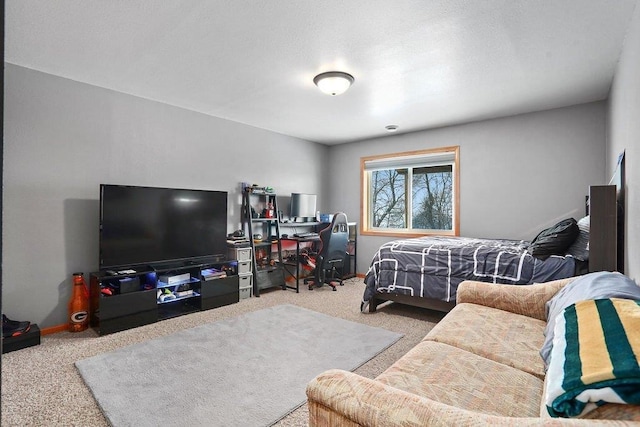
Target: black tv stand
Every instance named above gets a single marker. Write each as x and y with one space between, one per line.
124 301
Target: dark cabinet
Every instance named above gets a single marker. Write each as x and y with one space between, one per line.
217 292
143 295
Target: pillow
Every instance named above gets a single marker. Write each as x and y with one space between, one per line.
580 248
555 240
598 285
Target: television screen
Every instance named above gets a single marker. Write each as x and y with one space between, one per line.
146 225
303 206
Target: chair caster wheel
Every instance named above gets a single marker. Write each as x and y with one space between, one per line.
310 288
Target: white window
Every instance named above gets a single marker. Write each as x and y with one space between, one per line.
412 193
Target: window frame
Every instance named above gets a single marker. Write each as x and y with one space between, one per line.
367 230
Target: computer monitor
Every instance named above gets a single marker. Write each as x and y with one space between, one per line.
303 207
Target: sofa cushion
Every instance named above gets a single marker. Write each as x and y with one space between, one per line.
502 336
465 380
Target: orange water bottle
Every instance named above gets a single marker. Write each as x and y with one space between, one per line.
79 305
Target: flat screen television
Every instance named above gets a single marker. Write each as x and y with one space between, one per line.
303 206
150 225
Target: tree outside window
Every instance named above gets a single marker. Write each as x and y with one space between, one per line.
412 193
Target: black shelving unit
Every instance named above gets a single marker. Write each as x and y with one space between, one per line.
350 268
260 221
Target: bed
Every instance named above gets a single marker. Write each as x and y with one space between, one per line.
426 271
432 267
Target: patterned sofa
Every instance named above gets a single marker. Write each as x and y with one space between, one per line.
480 365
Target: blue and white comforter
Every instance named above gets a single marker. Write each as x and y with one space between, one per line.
434 266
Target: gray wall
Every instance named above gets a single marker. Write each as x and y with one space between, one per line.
64 138
624 135
518 174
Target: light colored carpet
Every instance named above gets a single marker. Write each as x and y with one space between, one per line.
42 387
257 363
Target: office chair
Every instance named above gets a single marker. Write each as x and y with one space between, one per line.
331 256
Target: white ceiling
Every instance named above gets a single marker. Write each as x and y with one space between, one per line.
417 64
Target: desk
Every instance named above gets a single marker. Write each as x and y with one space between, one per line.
349 269
288 264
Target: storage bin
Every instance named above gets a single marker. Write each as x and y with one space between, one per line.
245 280
246 292
240 254
244 267
269 278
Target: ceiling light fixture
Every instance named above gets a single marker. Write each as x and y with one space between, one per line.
391 128
333 82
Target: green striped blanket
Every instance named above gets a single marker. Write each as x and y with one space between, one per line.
594 359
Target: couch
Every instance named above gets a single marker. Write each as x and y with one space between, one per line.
480 365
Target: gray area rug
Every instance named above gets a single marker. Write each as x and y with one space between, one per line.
249 370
